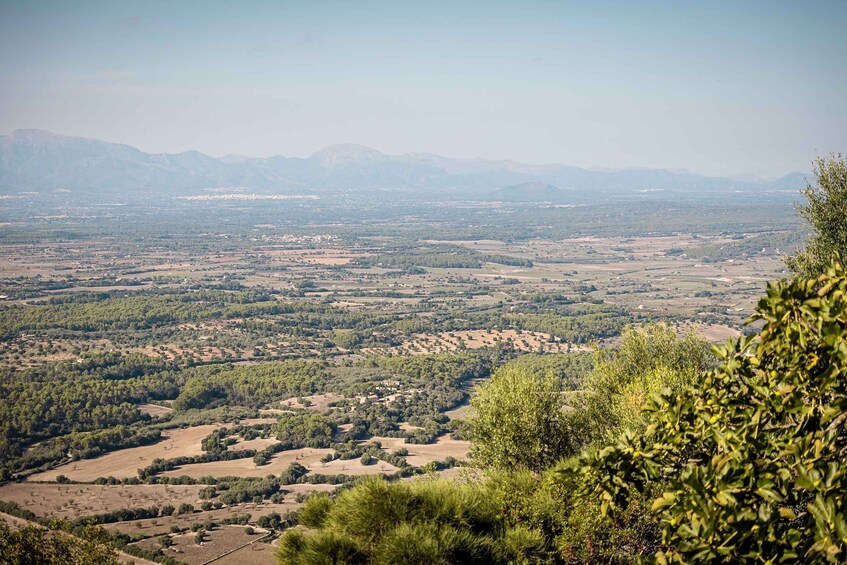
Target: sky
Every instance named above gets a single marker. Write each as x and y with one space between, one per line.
717 87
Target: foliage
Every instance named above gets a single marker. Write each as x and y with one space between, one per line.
569 368
646 360
249 385
573 323
135 312
33 545
96 393
588 536
519 420
246 490
305 430
423 522
753 453
444 256
825 209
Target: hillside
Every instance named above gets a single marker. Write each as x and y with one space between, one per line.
40 161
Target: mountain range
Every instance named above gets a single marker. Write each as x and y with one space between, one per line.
40 161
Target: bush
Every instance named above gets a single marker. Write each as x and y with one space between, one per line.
435 521
33 544
825 209
520 421
754 454
315 510
646 361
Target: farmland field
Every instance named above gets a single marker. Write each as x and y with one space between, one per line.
237 372
126 462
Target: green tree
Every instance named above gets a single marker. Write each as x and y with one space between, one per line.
32 545
520 420
825 209
752 459
647 360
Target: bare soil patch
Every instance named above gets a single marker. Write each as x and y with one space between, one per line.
258 553
258 444
353 467
155 410
421 454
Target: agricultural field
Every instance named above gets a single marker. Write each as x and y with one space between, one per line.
216 543
72 501
125 463
164 379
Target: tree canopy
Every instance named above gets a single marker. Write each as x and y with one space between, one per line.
520 420
826 211
752 459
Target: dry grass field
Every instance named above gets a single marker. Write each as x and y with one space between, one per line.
125 463
258 444
218 542
421 454
445 342
308 457
155 410
712 332
352 467
52 500
257 553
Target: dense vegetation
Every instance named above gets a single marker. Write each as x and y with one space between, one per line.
418 523
742 463
34 545
749 463
367 305
825 209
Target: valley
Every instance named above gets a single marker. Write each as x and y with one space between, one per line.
239 366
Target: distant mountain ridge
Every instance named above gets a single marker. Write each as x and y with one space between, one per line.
40 161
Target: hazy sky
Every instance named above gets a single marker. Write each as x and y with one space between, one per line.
711 86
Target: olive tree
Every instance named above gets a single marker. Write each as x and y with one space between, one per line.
825 209
520 420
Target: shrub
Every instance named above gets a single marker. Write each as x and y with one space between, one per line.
315 510
520 420
754 454
435 521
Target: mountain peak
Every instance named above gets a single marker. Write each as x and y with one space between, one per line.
32 135
346 154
